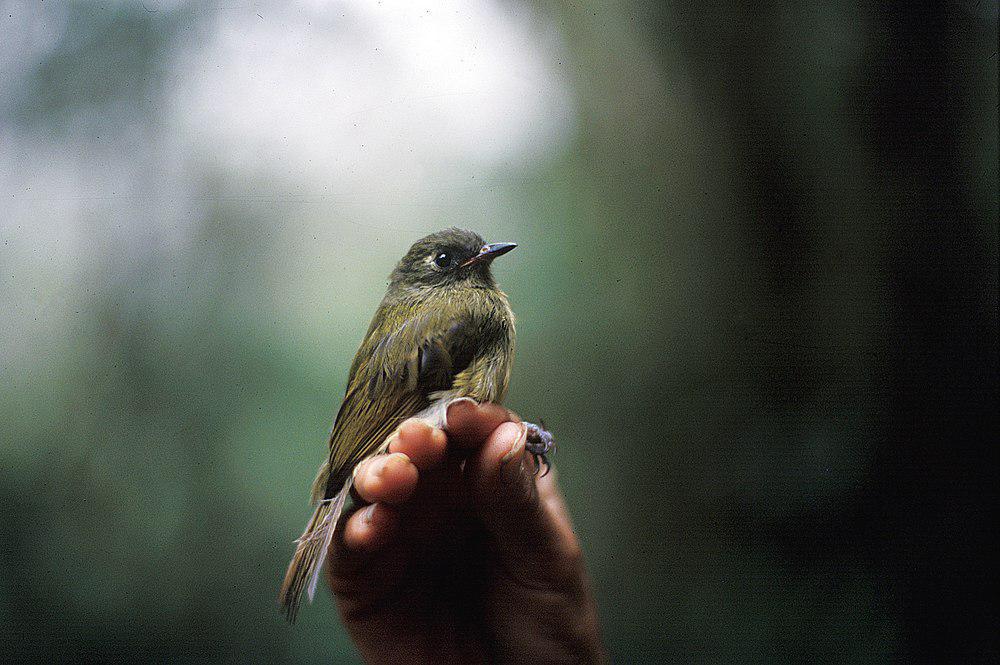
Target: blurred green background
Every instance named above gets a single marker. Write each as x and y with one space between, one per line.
755 289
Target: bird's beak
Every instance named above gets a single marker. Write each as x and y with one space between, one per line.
490 252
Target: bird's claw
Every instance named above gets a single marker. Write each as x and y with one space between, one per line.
539 443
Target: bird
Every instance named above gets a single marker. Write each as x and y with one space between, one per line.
443 332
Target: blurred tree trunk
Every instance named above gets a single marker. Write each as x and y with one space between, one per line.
906 276
935 469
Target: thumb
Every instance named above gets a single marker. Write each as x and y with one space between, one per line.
524 513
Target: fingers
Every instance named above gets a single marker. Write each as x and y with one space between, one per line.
417 447
392 478
469 423
363 564
423 444
389 480
371 527
499 472
386 478
525 513
417 480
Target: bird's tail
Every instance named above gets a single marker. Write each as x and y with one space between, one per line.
310 553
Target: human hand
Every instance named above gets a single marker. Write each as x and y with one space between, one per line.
460 552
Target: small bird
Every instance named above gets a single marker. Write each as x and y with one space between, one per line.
443 332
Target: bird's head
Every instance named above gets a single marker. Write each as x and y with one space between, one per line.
449 257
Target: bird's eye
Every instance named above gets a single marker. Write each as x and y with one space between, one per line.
443 260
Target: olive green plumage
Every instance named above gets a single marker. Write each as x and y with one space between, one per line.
443 331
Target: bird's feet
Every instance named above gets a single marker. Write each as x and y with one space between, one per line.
539 444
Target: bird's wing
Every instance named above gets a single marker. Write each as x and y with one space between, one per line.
392 374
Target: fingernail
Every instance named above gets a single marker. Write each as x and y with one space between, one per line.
509 470
414 426
462 403
367 513
393 459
